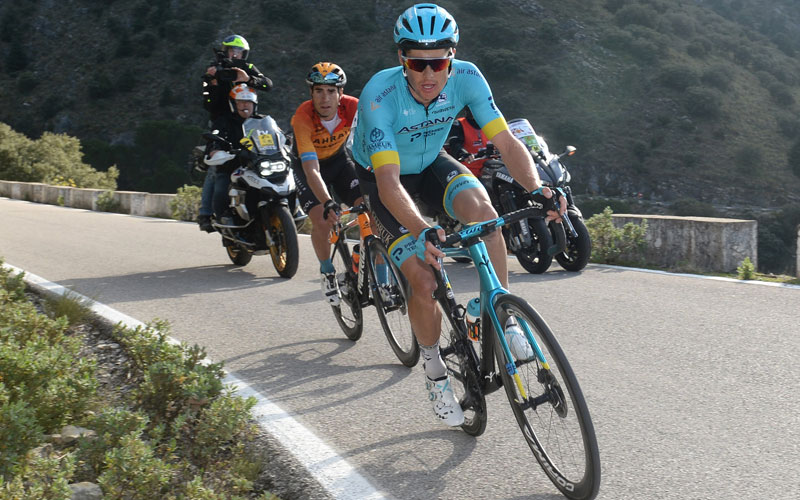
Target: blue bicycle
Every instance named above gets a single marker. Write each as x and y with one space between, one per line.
543 391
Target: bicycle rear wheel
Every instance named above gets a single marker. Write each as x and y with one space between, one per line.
348 313
462 362
552 414
390 293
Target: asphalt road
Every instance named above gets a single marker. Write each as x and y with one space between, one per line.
692 383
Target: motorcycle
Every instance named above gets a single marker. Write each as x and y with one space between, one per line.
554 174
261 193
533 241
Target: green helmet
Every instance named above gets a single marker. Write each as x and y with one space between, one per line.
236 42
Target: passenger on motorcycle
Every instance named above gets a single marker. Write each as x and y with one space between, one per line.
404 116
215 101
243 103
466 140
321 128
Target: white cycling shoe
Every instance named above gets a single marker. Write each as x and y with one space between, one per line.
445 406
517 343
330 289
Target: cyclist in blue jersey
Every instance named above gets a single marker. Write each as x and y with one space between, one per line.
404 117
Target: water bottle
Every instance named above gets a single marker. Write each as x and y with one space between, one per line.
356 257
473 318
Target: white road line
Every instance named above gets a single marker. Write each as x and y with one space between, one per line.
322 462
700 276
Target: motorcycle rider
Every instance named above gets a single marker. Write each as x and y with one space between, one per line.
466 140
215 100
321 128
403 120
243 103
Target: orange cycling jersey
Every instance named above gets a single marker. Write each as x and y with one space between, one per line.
313 140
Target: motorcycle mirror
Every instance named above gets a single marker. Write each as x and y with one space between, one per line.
213 136
570 150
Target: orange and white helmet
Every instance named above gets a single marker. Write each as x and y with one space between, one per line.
242 92
326 73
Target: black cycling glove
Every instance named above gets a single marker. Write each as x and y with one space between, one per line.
330 205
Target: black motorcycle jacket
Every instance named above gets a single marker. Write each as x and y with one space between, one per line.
215 97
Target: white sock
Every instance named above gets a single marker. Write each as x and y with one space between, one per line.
432 361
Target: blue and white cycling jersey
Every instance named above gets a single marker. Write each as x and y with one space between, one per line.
392 127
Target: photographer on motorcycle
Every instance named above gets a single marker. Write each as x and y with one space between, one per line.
243 102
321 129
230 68
233 68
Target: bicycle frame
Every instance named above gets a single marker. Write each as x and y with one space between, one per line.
490 288
365 235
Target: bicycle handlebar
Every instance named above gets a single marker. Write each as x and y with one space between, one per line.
483 228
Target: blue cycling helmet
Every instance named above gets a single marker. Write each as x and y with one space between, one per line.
425 26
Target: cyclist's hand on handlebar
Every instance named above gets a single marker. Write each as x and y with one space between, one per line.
427 251
555 208
331 211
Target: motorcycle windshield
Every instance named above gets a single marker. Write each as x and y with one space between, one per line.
265 136
522 129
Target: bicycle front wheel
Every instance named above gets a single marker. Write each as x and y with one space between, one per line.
348 313
390 294
549 406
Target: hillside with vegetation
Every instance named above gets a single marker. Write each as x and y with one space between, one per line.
680 105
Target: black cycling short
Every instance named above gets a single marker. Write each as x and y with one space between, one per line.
338 172
432 190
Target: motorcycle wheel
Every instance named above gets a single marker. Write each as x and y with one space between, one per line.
535 258
286 251
238 255
578 249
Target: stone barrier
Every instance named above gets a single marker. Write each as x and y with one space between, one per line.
701 243
130 202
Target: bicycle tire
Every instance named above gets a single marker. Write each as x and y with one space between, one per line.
561 425
461 360
392 309
348 313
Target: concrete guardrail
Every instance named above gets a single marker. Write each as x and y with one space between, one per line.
701 243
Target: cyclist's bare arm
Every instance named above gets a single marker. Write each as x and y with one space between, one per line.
517 159
315 182
521 166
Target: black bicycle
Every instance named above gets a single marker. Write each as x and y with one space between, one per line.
542 389
366 277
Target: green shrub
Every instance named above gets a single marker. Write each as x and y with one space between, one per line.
636 14
186 203
44 476
74 308
220 425
107 202
678 77
111 425
793 158
612 245
174 376
719 77
19 431
746 270
703 103
133 472
690 207
47 159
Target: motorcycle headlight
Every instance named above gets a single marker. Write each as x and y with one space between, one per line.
272 167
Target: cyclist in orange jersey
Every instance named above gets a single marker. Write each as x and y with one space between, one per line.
321 129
